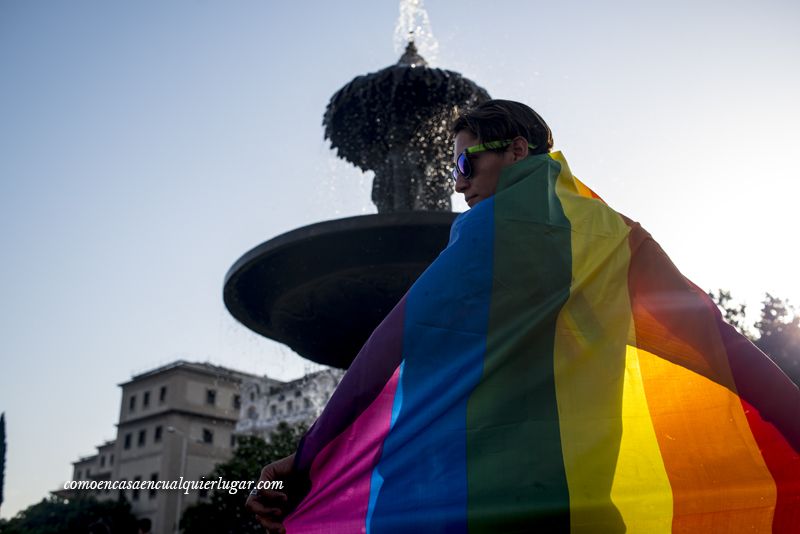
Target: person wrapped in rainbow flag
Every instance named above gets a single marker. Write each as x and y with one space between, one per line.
551 371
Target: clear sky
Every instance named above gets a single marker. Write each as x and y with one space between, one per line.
145 146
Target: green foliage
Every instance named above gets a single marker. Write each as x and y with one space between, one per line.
2 455
734 316
779 335
225 513
58 516
777 332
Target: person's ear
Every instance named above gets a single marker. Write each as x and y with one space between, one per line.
519 148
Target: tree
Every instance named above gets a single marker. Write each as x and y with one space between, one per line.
76 516
777 332
779 335
225 512
2 455
735 316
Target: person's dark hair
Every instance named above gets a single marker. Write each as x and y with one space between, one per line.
495 120
144 525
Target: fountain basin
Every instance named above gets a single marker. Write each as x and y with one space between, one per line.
323 288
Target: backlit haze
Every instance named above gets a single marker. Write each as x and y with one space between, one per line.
145 146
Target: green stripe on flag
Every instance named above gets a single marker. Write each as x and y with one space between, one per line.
515 469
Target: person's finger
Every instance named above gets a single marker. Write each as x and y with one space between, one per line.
265 495
276 470
270 506
256 503
262 509
271 483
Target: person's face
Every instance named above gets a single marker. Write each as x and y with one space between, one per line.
486 167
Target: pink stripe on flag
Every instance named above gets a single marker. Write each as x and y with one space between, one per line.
341 473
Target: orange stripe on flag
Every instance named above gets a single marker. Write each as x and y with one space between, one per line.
719 480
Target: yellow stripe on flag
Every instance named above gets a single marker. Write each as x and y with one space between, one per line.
641 489
589 356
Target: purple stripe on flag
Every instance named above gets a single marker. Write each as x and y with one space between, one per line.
366 378
341 472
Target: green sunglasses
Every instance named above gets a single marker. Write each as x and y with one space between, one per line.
464 167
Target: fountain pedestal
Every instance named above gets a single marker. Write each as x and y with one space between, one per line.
322 289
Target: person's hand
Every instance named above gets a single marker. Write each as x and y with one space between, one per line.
271 506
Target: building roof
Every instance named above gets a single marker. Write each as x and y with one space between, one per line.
310 376
205 368
84 459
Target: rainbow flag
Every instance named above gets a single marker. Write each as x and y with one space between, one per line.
552 371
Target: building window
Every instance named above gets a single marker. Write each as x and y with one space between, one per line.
273 410
157 436
146 399
211 396
252 396
162 394
297 393
127 441
154 478
208 436
307 403
78 475
233 440
132 403
87 472
141 437
237 402
289 407
135 491
111 460
103 461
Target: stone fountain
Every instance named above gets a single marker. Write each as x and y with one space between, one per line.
322 289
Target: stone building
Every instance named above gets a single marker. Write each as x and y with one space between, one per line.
181 419
266 404
174 421
98 466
